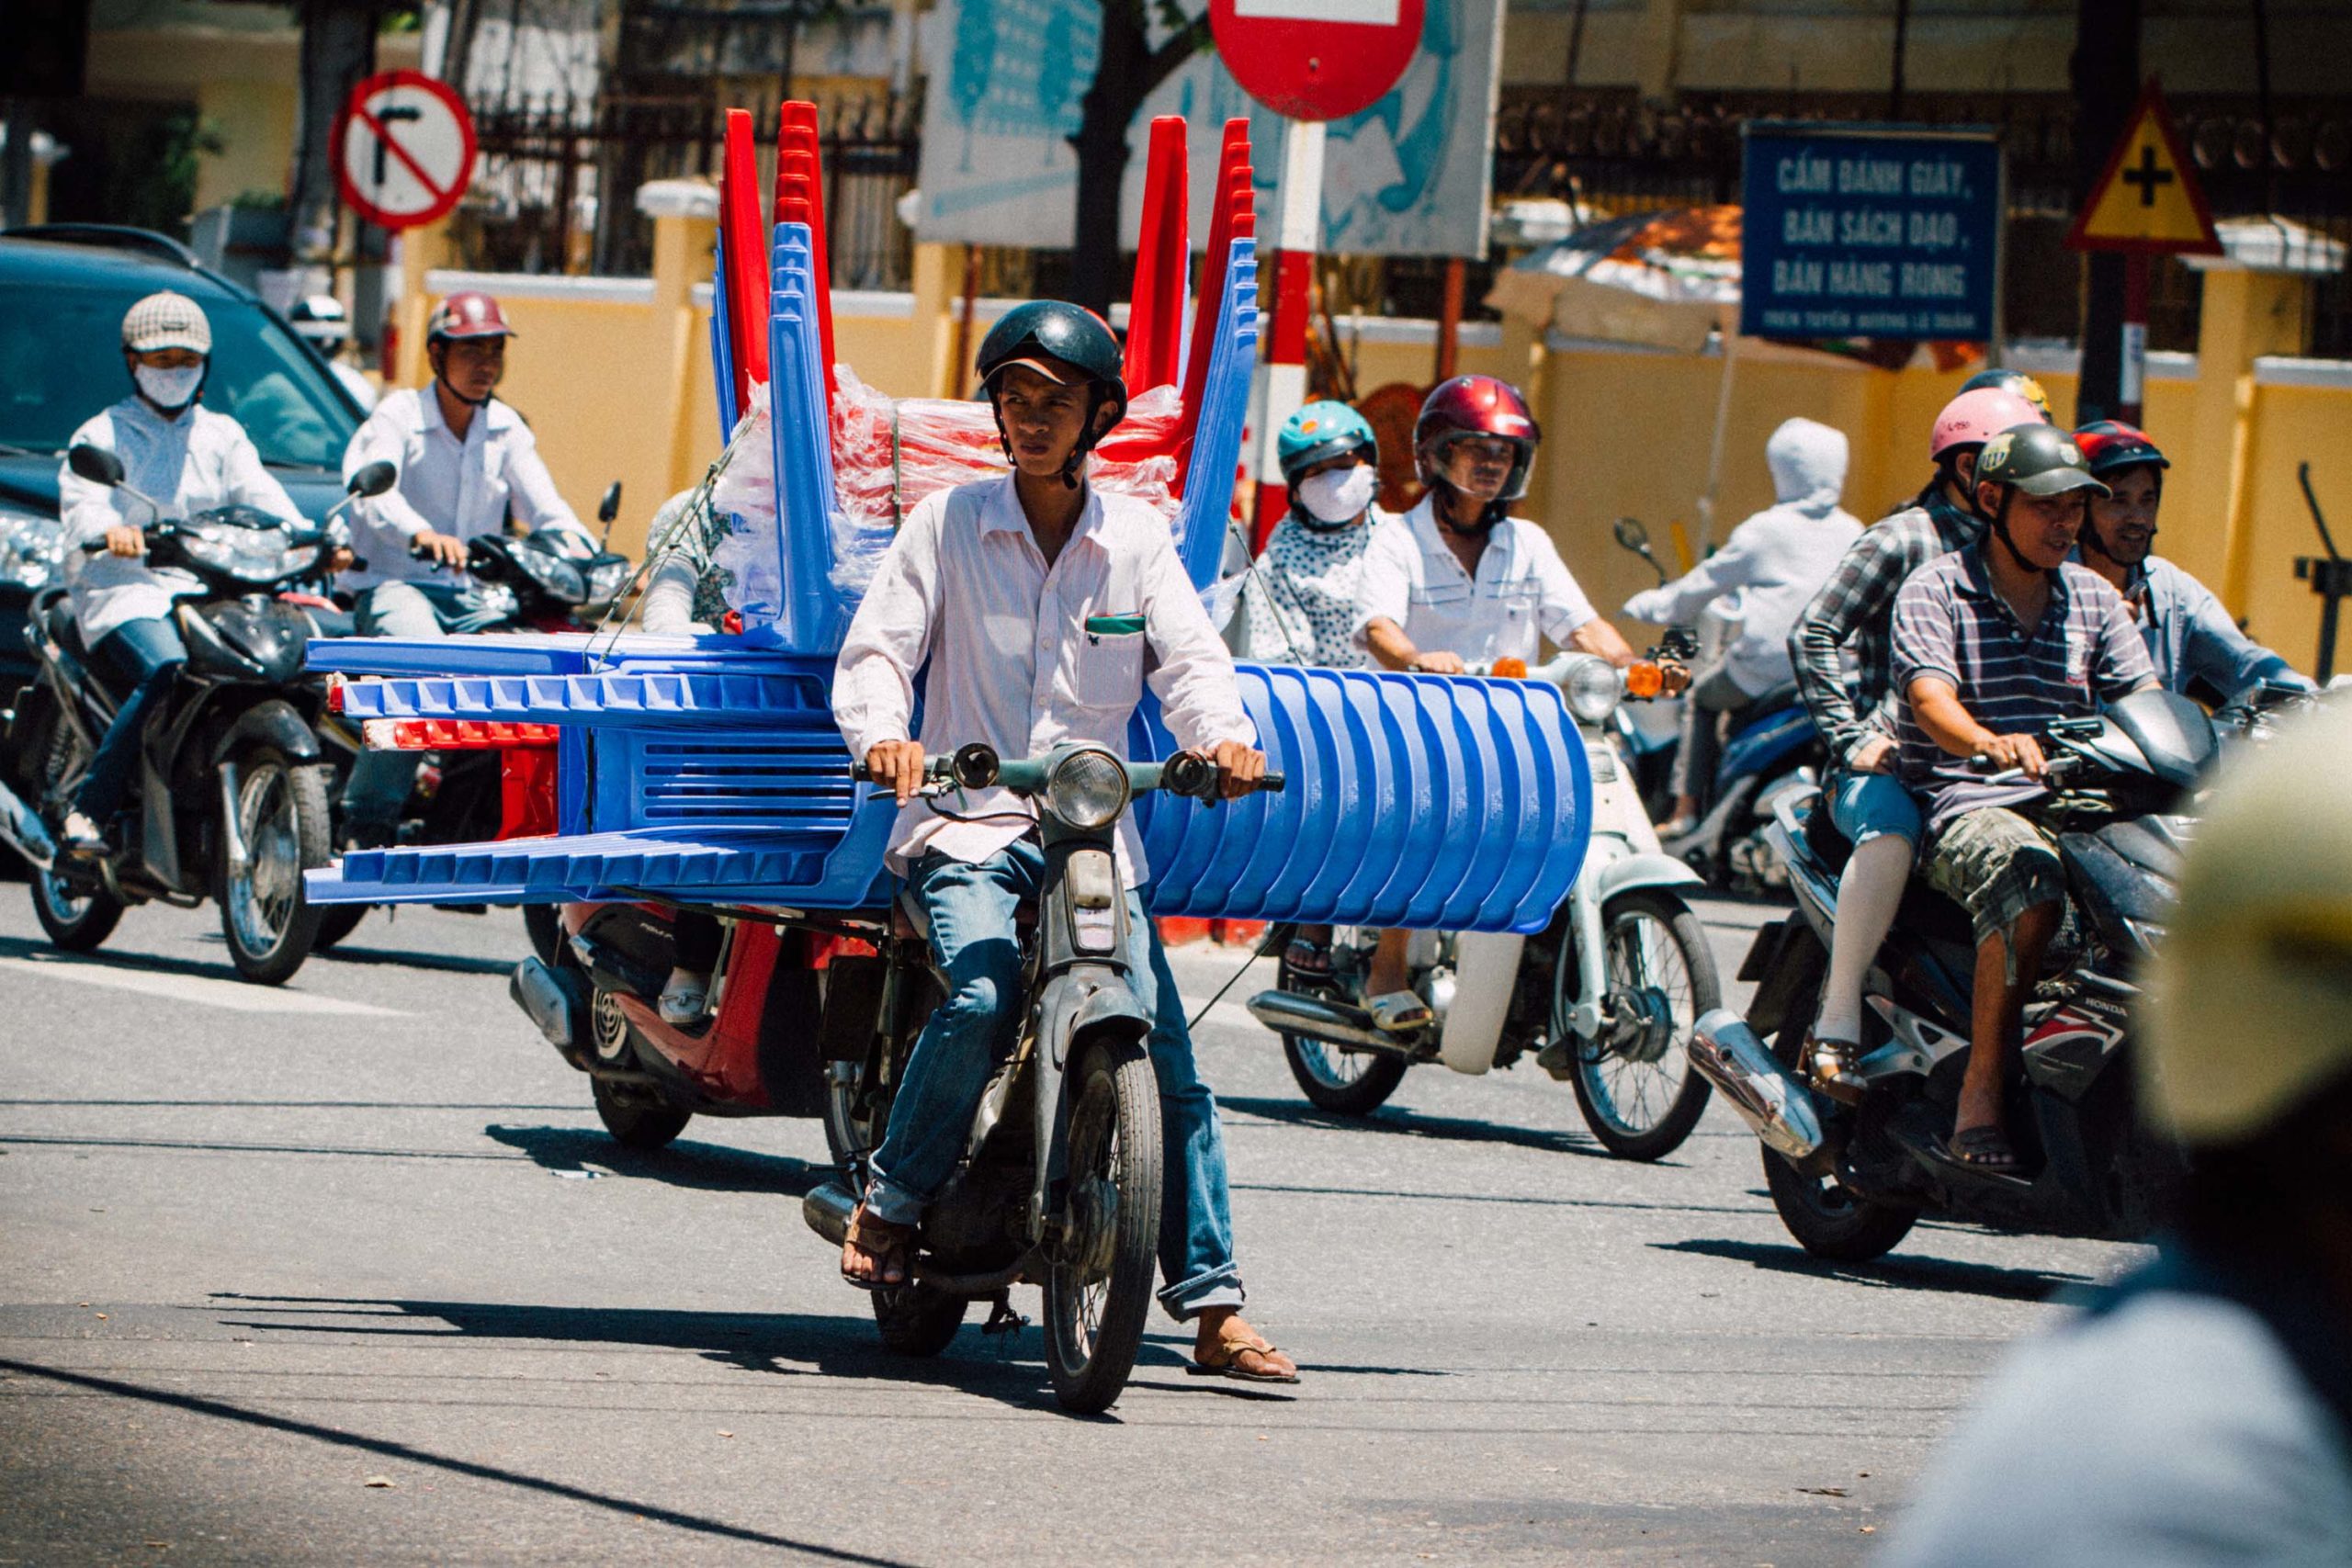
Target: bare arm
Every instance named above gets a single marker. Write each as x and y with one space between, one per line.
1395 650
1597 635
1937 708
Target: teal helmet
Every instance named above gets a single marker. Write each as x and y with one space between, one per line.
1320 432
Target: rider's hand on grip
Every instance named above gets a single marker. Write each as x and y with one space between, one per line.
121 540
1238 768
895 765
441 550
2022 752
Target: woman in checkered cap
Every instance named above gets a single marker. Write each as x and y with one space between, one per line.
188 458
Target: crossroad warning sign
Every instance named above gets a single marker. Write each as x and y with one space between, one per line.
404 149
2148 199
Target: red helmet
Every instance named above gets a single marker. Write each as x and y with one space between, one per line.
1477 406
468 314
2109 443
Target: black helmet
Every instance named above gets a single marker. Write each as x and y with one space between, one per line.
2040 459
1051 336
2016 381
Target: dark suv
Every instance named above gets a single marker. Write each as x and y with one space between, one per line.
64 289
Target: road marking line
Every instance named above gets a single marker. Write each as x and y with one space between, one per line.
235 995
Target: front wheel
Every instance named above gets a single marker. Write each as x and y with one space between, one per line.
1635 1084
1100 1266
282 821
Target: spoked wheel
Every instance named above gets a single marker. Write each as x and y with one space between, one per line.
1345 1083
77 918
282 818
1098 1280
1635 1085
1826 1218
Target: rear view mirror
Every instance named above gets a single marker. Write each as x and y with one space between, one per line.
1632 536
95 464
610 507
373 479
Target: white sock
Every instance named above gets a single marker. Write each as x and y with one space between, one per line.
1868 896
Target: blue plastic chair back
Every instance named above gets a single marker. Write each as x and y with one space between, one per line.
1205 513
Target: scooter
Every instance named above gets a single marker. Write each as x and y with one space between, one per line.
232 786
811 1015
1606 996
1773 753
1850 1180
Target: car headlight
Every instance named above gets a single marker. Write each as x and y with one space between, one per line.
1088 788
32 548
1591 687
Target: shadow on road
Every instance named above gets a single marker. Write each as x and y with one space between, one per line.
1893 1272
702 1167
1396 1119
223 1410
447 963
44 952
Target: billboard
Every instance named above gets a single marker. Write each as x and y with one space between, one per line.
1407 177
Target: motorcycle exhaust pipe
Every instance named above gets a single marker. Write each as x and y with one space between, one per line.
24 831
556 1003
1777 1108
1312 1018
826 1208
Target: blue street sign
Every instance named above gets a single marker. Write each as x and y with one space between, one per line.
1885 231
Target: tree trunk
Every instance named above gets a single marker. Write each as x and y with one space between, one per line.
338 49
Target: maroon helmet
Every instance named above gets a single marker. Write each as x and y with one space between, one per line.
1477 406
464 315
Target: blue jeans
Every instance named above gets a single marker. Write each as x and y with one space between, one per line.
380 781
1865 806
144 655
970 906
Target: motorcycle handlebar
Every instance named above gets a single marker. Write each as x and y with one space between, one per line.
1187 773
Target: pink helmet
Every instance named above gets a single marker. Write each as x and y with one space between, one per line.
1974 417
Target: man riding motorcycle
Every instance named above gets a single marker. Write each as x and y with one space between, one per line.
1037 602
1768 570
1992 644
2190 637
1298 600
185 456
465 462
1459 578
1855 715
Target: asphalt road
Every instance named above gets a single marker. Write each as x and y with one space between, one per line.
348 1271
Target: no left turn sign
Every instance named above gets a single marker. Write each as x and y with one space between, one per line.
404 149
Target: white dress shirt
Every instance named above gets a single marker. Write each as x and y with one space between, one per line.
200 459
1523 589
446 486
966 587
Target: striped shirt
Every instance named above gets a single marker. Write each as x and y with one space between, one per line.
1949 624
1856 607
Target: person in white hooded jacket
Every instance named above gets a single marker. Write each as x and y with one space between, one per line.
1766 573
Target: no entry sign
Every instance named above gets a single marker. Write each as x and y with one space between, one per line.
404 149
1317 60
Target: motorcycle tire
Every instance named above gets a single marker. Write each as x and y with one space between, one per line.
634 1124
338 922
1601 1097
1829 1221
269 945
916 1321
1099 1274
544 924
1344 1083
74 923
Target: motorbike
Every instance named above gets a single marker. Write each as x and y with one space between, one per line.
1605 997
1850 1180
1773 751
481 784
231 787
812 1015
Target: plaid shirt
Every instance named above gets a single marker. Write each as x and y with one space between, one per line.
1856 606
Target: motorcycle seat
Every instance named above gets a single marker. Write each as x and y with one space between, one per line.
64 627
1783 695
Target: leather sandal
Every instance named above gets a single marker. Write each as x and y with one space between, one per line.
892 1247
1397 1013
1226 1360
1833 1067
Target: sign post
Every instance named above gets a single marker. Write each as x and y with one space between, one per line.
2146 203
1309 61
405 150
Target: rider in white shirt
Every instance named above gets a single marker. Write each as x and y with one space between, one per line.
466 462
1464 581
188 458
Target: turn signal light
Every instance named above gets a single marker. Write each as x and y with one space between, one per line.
1511 669
453 735
1644 679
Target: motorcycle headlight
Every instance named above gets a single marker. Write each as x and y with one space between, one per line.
31 549
608 578
256 556
1591 688
1088 788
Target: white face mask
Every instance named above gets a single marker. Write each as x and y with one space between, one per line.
1339 495
168 389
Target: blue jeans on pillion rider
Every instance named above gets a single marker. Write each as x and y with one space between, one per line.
380 781
971 905
142 655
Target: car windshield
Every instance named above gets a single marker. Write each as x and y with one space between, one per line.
60 361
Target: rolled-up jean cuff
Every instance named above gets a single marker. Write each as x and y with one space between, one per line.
1871 806
1188 1299
893 1204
